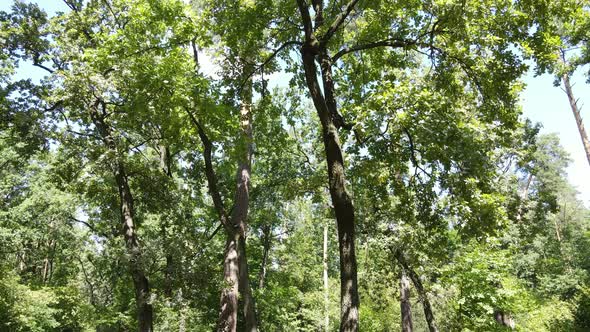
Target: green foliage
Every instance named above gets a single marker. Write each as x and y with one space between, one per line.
438 159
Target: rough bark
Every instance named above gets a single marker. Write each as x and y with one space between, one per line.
140 281
228 302
228 316
326 289
235 266
428 314
406 308
241 204
341 199
576 110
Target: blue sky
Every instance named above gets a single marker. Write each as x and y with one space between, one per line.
541 102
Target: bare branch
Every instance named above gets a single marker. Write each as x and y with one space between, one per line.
210 172
269 59
338 21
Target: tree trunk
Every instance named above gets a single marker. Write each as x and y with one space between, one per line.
341 199
428 314
169 269
267 233
251 323
326 289
239 216
228 317
504 319
343 207
576 110
235 260
405 305
140 281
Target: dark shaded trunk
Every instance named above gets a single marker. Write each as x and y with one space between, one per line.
326 289
140 281
165 166
406 307
168 272
341 199
266 233
428 314
576 110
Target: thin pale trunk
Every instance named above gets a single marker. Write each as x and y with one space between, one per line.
181 313
265 251
48 263
428 314
576 110
566 258
406 308
524 195
326 289
140 281
22 266
557 233
45 269
504 319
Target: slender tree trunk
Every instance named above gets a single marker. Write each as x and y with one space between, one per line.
428 314
182 312
326 289
267 233
406 308
45 269
576 110
524 195
169 269
140 281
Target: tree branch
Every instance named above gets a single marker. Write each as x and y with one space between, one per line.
306 18
338 21
269 59
210 173
395 43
